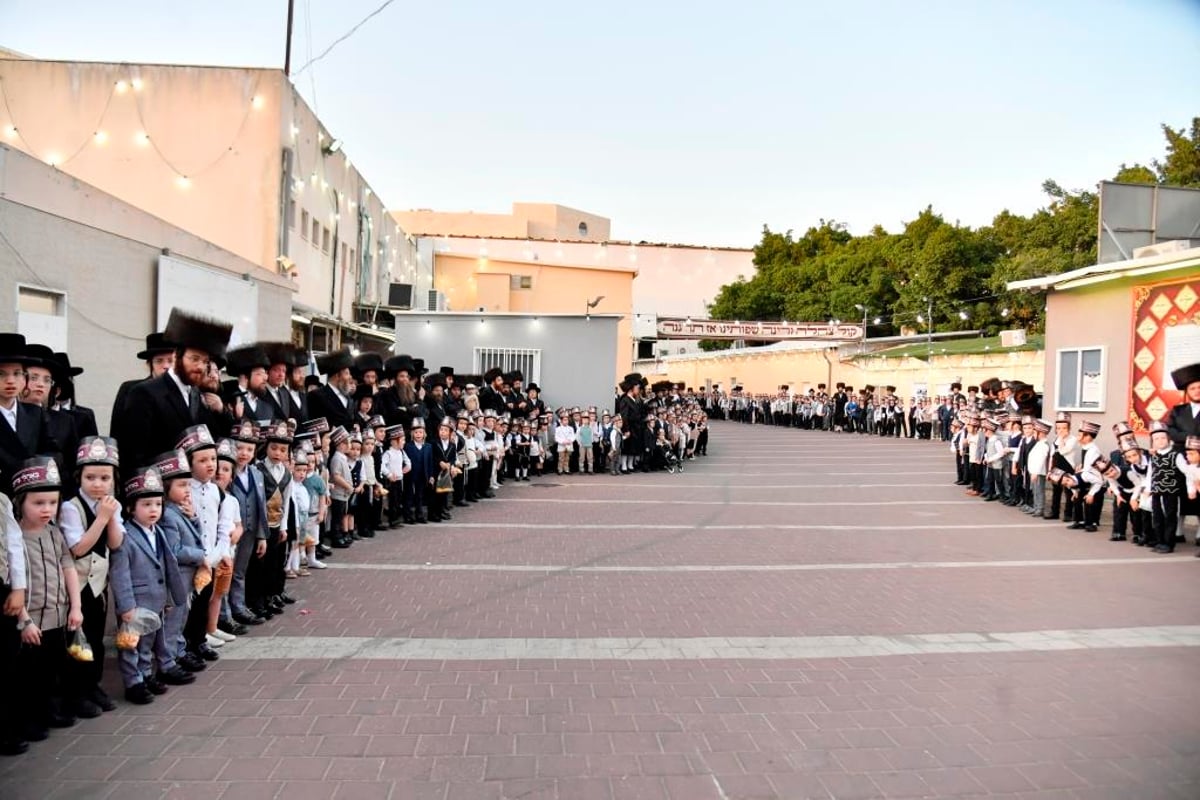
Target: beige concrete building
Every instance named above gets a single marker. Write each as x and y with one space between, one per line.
1115 331
87 273
526 221
233 156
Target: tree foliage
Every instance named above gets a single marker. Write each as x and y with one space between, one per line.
827 273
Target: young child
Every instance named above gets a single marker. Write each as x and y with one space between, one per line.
364 516
1036 464
341 488
421 476
1190 501
52 601
616 440
995 452
247 487
301 506
1130 485
182 532
474 450
318 493
215 531
1165 484
230 515
12 597
445 459
91 525
145 575
564 440
393 467
1065 455
282 532
1086 514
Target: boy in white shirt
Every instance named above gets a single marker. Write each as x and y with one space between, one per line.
1036 465
564 441
394 466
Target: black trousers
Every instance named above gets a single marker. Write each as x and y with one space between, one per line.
12 723
1056 501
1125 517
395 501
1165 510
84 676
196 626
41 670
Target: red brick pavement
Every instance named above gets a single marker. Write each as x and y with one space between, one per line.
1072 724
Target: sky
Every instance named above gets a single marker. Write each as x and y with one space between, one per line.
695 122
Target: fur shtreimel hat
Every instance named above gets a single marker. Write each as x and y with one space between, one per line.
186 329
335 362
243 360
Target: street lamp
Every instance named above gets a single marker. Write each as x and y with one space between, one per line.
587 312
862 344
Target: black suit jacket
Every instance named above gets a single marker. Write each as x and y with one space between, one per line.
33 437
85 421
120 400
325 402
280 410
153 419
1182 424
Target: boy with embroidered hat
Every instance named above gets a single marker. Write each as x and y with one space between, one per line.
1037 463
393 466
1086 514
1066 456
231 513
1165 485
341 488
91 525
282 532
145 575
52 604
422 474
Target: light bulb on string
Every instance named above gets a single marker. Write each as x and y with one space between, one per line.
256 102
121 87
137 84
10 131
141 138
183 182
53 159
100 137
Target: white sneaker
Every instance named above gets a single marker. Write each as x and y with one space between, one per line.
213 641
315 563
222 635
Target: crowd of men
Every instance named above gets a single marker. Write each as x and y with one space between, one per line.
231 473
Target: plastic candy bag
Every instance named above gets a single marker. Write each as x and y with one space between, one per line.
445 482
202 578
128 633
79 649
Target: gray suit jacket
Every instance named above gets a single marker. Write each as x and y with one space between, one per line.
139 576
183 537
251 506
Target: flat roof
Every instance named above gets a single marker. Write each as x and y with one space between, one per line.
617 242
1102 273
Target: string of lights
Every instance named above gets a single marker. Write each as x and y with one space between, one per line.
99 136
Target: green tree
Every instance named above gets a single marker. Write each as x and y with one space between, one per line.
1181 167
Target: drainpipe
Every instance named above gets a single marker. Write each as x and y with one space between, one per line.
829 370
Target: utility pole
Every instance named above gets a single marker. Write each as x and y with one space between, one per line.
287 50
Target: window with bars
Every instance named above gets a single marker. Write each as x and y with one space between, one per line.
528 361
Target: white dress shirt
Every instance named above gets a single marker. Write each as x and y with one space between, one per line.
214 527
14 545
10 415
184 390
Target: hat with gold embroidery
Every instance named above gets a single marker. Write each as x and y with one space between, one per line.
227 450
195 438
37 475
146 482
172 464
97 451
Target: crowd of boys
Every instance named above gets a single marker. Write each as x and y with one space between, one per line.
184 529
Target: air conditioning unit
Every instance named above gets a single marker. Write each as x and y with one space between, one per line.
400 295
435 301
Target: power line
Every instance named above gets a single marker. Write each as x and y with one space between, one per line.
344 36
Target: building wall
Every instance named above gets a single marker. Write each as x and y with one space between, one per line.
68 237
574 349
1100 315
765 372
525 221
228 131
471 282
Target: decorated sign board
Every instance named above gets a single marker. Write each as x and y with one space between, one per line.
679 328
1166 336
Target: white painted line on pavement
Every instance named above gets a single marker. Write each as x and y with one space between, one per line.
624 486
832 567
660 502
707 647
610 526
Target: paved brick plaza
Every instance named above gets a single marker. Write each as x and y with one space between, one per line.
798 615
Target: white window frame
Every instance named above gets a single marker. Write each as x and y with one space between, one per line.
520 282
528 360
1059 405
48 329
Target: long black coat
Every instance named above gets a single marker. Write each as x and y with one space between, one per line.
33 437
394 412
1182 424
325 402
121 399
154 418
633 412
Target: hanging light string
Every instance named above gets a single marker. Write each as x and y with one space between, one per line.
89 139
97 136
187 176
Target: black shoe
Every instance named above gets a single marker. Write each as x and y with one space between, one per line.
175 676
276 608
205 652
341 543
367 533
472 500
263 613
13 748
1164 548
323 551
101 698
139 695
1091 528
489 494
191 663
421 520
463 503
1075 526
37 733
156 686
287 598
1117 537
61 720
84 708
232 628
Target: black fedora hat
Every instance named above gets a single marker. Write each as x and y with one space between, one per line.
13 350
156 345
65 365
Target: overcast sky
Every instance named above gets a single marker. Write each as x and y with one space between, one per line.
695 122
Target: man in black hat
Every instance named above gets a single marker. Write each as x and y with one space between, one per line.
367 369
41 377
24 427
335 399
435 407
158 411
515 401
1184 420
159 355
398 404
64 396
249 365
491 396
274 394
633 415
297 384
